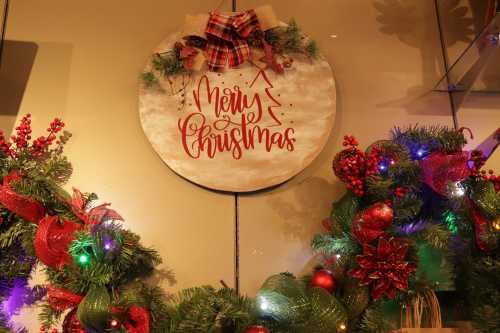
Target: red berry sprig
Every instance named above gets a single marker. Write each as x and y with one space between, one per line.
490 176
5 146
23 132
400 192
478 161
372 161
349 165
41 144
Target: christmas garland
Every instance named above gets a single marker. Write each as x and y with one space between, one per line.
215 41
419 217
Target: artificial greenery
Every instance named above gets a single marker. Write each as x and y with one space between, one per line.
108 266
285 40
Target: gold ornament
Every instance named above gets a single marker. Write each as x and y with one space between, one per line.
496 224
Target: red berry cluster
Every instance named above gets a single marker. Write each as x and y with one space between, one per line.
23 132
43 329
41 143
353 166
478 160
372 161
349 165
400 192
5 146
490 176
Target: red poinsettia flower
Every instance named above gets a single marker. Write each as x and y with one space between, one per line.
384 267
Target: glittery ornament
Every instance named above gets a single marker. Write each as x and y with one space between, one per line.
71 323
256 329
323 279
371 223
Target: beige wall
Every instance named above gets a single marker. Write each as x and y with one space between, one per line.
386 60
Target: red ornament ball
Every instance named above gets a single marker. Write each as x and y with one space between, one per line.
378 216
323 279
256 329
71 323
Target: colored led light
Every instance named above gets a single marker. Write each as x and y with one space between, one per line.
83 258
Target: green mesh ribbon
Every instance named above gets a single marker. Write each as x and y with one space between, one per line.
93 311
327 315
292 304
355 297
487 200
284 299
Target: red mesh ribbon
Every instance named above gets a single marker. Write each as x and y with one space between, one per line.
439 169
52 240
21 205
226 39
95 215
138 320
62 299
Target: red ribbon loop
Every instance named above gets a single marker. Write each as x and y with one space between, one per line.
21 205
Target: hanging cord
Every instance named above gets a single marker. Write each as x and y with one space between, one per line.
463 129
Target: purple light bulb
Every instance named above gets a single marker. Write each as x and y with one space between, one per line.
108 245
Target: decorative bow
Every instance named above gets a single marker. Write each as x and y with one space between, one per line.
226 38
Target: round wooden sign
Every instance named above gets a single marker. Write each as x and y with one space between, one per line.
242 129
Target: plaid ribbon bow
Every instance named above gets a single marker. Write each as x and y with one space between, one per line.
226 39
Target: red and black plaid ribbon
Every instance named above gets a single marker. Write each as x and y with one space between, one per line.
226 36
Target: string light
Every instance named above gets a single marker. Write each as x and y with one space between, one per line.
83 259
264 305
342 327
496 224
108 245
456 190
419 153
114 323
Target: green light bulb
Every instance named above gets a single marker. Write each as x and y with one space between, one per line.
83 258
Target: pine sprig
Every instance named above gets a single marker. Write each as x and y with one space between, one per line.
205 309
436 235
374 320
329 245
343 211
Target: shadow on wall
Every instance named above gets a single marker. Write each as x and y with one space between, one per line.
414 23
17 62
303 208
